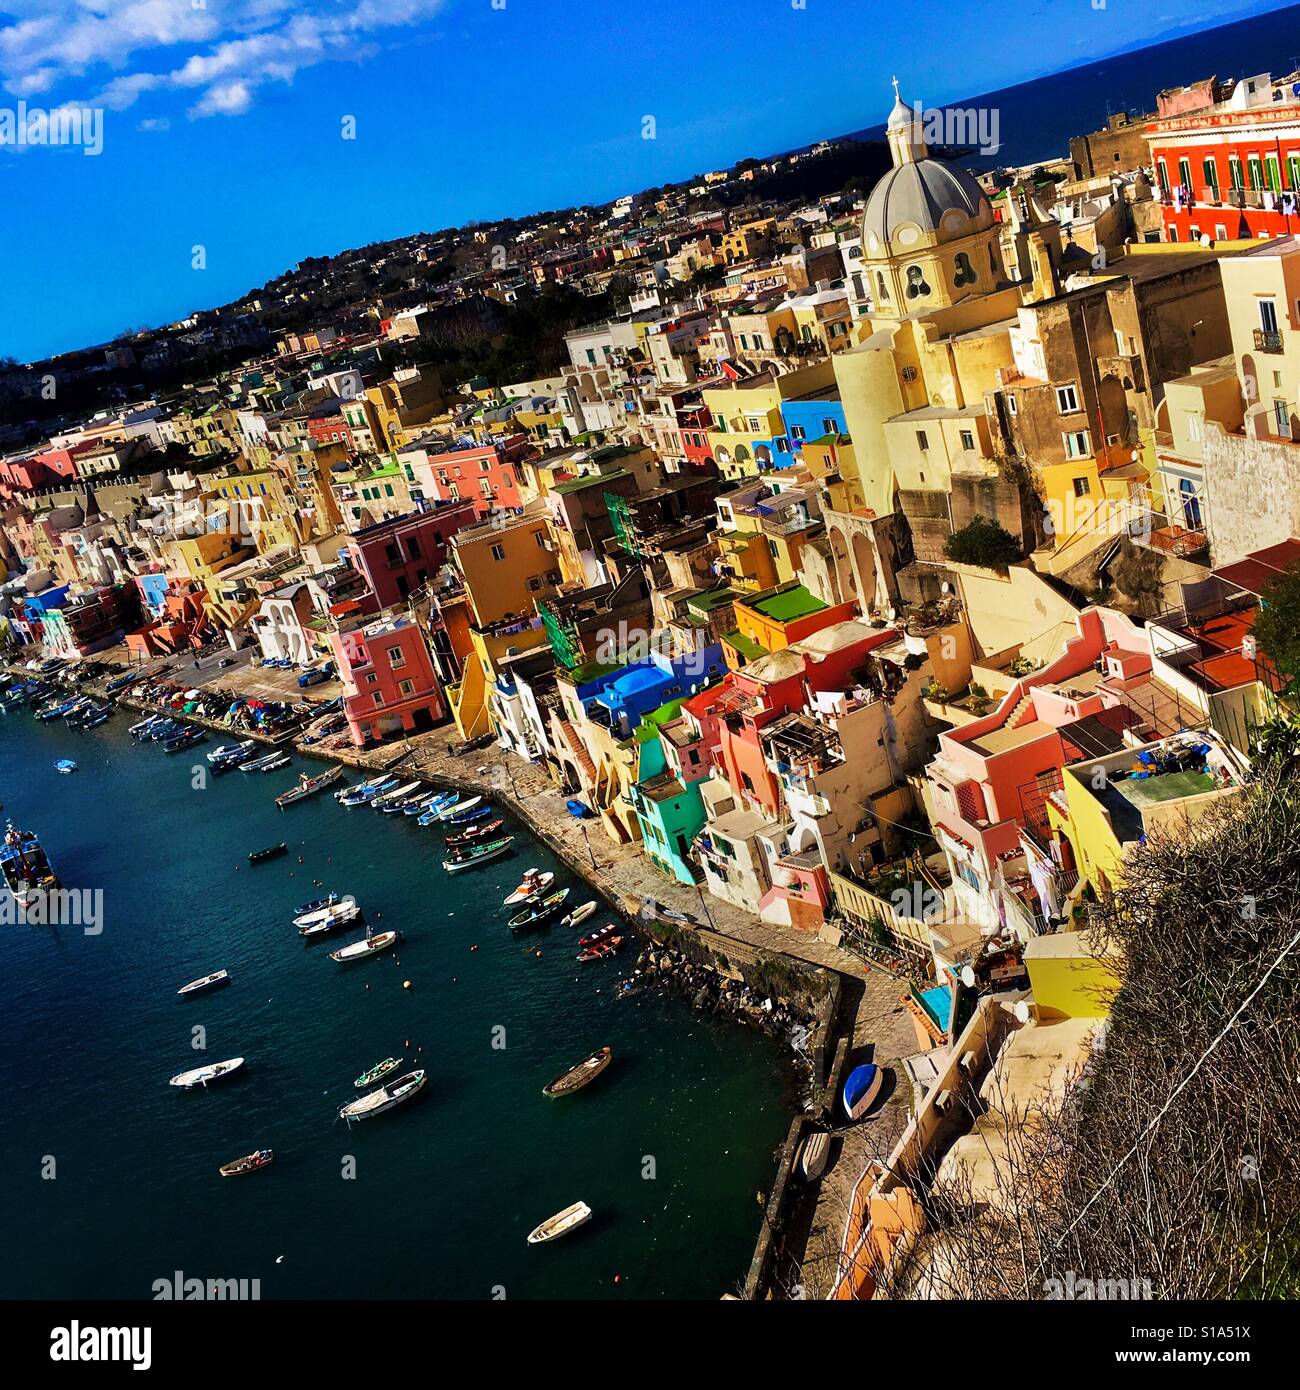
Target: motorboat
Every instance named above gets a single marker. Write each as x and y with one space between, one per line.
561 1223
65 765
25 867
250 1163
377 1073
385 1098
206 982
479 854
316 904
605 933
229 750
328 920
533 884
186 739
260 856
601 949
482 830
201 1076
309 786
368 946
579 1076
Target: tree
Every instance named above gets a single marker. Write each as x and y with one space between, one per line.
1277 626
983 542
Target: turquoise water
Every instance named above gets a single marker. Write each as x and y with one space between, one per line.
669 1147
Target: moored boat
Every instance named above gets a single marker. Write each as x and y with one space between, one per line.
610 929
601 949
228 750
260 856
187 738
329 920
366 947
316 904
362 792
25 866
467 811
201 1076
561 1223
385 1098
861 1087
377 1073
579 915
484 830
459 807
397 794
250 1163
534 883
577 1077
479 854
206 982
268 762
309 786
539 912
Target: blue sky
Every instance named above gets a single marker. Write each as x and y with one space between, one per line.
223 119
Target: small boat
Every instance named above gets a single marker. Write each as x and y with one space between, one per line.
601 949
229 750
397 794
233 760
138 730
250 1163
266 763
458 808
594 938
385 1098
539 912
534 883
309 786
561 1223
464 815
484 830
330 920
315 905
200 1076
65 765
326 908
861 1088
95 718
402 805
377 1073
577 1077
207 982
579 915
260 856
813 1154
362 792
368 946
186 739
479 854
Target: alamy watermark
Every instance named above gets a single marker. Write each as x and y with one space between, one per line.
178 1288
54 907
973 126
27 127
1078 1288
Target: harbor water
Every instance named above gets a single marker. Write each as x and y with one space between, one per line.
112 1173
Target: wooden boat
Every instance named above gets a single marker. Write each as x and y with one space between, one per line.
534 883
577 1077
180 742
485 830
467 814
397 794
493 849
561 1223
228 750
207 982
579 914
329 920
315 905
200 1076
454 810
260 856
363 792
601 949
385 1098
813 1153
594 938
250 1163
309 786
540 912
368 946
861 1087
377 1072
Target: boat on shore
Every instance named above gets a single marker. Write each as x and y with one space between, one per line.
601 950
813 1153
540 912
581 1075
377 1073
479 854
579 915
201 1076
861 1088
206 982
385 1098
250 1163
365 948
533 885
25 866
561 1223
260 856
309 786
484 830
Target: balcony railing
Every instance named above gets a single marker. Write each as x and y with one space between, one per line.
1268 340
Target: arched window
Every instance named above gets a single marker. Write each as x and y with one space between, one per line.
965 271
916 285
881 292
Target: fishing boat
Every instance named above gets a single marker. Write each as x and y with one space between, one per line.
377 1073
309 786
250 1163
229 750
25 866
468 811
813 1153
479 854
266 762
458 808
397 794
368 946
65 765
561 1223
577 1077
539 912
578 915
95 717
138 729
385 1098
187 739
57 709
260 856
163 730
233 760
601 949
861 1087
594 938
419 805
206 982
200 1076
316 904
362 792
483 830
533 884
329 920
402 805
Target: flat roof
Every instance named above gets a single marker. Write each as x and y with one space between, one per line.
787 605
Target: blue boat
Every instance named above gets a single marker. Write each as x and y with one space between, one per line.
861 1088
468 816
65 765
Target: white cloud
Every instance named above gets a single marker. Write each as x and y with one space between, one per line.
223 51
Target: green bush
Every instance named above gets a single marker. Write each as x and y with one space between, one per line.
983 543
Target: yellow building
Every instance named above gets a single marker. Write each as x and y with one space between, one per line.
1070 977
260 505
748 435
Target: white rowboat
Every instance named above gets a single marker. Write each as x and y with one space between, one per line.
561 1223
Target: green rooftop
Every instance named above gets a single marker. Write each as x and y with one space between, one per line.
590 480
746 646
787 605
710 599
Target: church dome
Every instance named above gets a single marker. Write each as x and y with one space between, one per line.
919 193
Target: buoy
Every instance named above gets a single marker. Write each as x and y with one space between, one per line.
406 984
407 1043
618 1278
474 947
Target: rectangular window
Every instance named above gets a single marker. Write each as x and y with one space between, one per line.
1185 173
1081 487
407 688
1194 430
540 538
1234 172
967 439
1254 171
1268 315
1273 171
1077 444
1293 171
922 442
396 658
1282 419
498 552
1210 168
1067 400
1162 175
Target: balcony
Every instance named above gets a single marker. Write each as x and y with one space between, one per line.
1268 340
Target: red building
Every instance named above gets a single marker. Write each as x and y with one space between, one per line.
1231 171
389 684
487 474
399 556
329 427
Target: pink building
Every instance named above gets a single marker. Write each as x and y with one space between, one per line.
486 474
389 684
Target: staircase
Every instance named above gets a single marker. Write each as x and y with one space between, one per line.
1016 717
